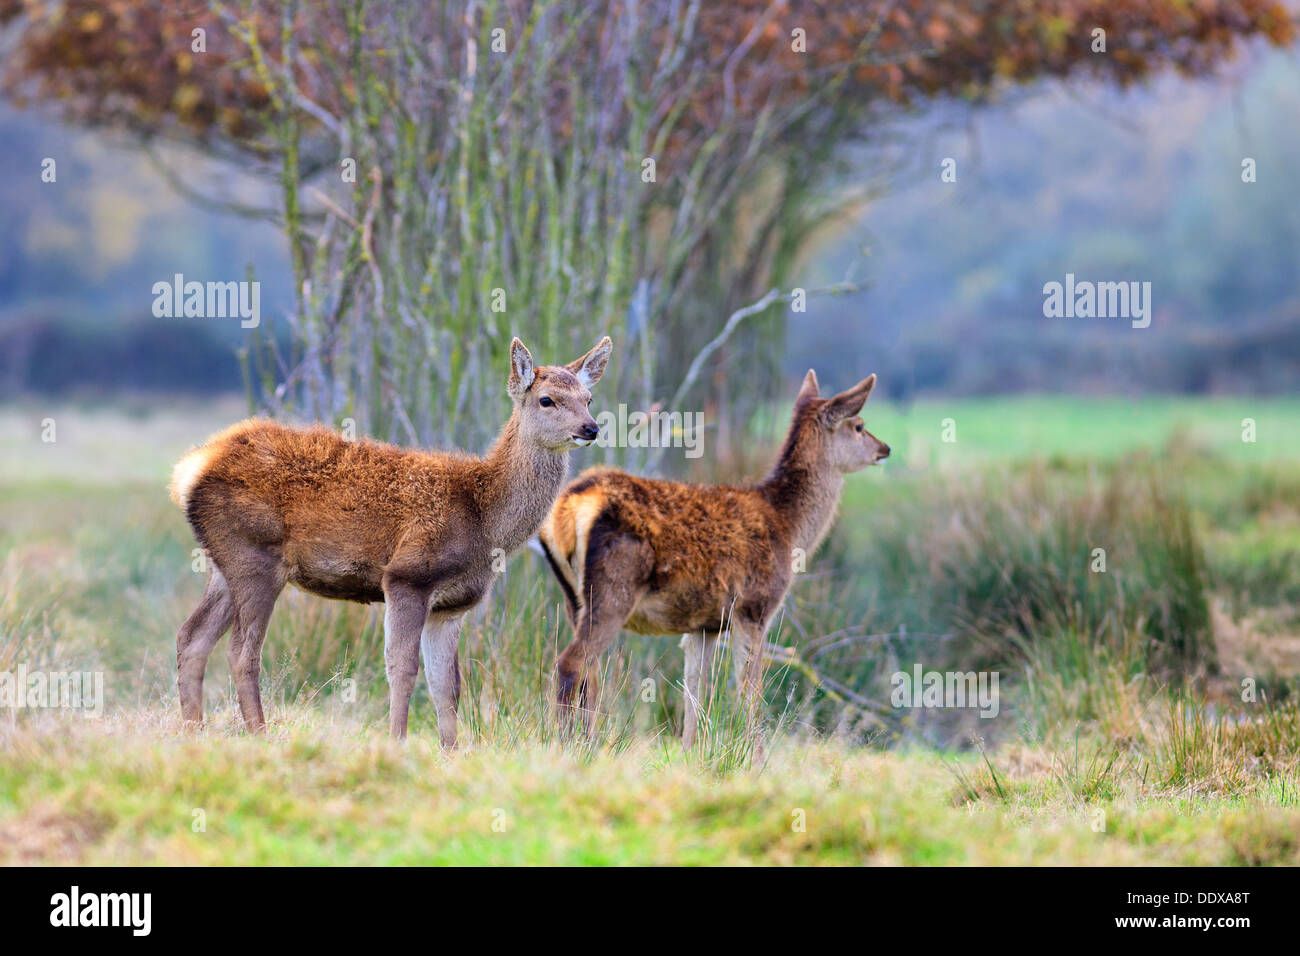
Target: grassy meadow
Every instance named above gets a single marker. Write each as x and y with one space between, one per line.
1148 712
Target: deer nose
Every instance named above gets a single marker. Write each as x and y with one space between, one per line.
883 453
588 431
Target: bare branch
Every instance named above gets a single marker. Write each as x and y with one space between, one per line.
733 322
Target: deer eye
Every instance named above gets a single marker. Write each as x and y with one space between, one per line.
545 401
859 428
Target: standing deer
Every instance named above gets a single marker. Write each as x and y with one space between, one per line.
424 532
660 557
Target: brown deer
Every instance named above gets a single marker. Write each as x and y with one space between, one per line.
424 532
661 557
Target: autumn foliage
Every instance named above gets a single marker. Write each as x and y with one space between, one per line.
451 173
130 62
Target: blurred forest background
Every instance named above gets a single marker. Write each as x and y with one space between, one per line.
775 168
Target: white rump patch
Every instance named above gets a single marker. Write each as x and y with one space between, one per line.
584 516
187 473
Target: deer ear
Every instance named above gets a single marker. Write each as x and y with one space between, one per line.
521 370
808 390
848 402
591 366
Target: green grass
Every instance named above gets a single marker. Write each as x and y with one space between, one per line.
311 794
1080 428
1122 736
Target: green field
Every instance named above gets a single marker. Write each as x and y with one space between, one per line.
1123 736
996 429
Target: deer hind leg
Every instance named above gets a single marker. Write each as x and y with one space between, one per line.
699 663
440 642
195 641
254 588
612 586
577 684
616 569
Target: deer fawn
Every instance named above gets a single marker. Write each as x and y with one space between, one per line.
660 557
364 521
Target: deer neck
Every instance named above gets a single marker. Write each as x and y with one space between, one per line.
523 479
805 490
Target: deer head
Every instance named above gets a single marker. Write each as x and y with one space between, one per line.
834 425
551 400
